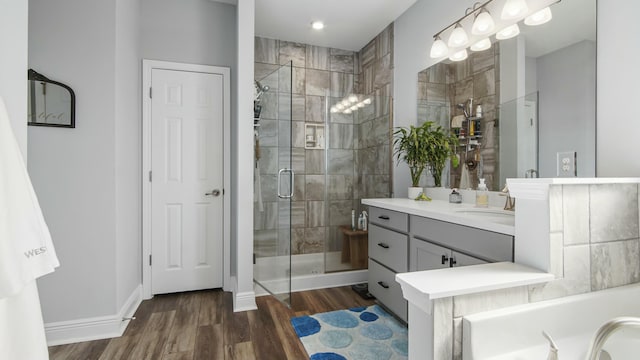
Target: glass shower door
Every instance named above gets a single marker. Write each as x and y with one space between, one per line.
273 183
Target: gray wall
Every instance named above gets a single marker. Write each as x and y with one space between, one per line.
73 169
567 107
13 64
88 178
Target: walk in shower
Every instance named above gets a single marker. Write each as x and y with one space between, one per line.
335 150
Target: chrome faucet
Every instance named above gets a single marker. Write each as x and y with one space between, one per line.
603 333
510 203
553 348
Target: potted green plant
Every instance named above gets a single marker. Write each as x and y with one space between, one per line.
427 145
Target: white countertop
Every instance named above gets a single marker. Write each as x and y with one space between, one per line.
421 287
492 219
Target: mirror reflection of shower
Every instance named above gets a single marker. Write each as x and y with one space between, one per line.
258 91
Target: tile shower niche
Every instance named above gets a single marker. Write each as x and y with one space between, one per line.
314 136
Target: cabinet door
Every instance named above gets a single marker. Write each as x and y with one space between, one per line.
465 260
427 256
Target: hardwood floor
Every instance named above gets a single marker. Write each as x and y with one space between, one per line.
202 325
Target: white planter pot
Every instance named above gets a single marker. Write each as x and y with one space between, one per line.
414 192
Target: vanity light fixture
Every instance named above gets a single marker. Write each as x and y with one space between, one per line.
317 25
483 24
481 45
508 32
459 56
458 37
539 17
439 48
514 9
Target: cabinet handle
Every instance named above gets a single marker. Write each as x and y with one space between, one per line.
383 284
383 245
452 261
383 217
444 259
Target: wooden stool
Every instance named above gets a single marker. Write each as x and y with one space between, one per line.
355 247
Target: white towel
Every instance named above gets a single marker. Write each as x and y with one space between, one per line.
456 121
26 250
26 253
465 182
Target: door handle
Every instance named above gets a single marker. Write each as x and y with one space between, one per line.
383 245
214 192
383 284
291 177
444 259
383 217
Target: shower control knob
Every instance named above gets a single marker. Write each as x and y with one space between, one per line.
215 192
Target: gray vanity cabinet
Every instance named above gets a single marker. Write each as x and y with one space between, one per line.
388 249
429 256
399 242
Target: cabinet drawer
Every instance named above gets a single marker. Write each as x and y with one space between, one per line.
383 285
388 247
482 243
389 218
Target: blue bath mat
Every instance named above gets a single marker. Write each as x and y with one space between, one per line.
364 333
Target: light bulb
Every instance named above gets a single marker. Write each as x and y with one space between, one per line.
353 98
334 109
339 106
458 37
481 45
345 102
367 101
317 25
439 48
483 24
508 32
539 17
348 111
459 56
514 9
360 105
354 108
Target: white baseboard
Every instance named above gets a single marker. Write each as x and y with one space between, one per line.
244 301
96 328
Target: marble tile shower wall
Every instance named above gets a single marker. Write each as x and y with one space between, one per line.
442 86
355 168
372 148
595 245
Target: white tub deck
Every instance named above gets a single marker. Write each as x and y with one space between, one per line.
515 333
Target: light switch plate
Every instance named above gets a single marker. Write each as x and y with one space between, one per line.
566 164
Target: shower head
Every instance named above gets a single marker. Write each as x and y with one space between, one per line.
464 109
259 89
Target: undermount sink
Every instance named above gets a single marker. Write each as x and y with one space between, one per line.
494 215
487 212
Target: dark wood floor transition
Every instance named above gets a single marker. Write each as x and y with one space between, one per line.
202 325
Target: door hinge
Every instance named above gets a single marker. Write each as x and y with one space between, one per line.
150 175
150 93
149 259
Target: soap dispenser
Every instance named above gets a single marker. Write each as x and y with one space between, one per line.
482 195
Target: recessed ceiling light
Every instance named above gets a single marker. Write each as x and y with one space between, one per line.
317 25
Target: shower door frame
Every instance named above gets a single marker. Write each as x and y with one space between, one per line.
286 167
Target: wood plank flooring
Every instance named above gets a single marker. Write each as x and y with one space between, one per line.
202 325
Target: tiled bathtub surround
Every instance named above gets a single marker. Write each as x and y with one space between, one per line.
331 181
595 245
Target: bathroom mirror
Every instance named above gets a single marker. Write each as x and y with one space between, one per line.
50 103
537 95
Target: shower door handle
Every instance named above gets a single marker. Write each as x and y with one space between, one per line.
291 177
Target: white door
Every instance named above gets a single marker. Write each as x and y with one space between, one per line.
187 179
